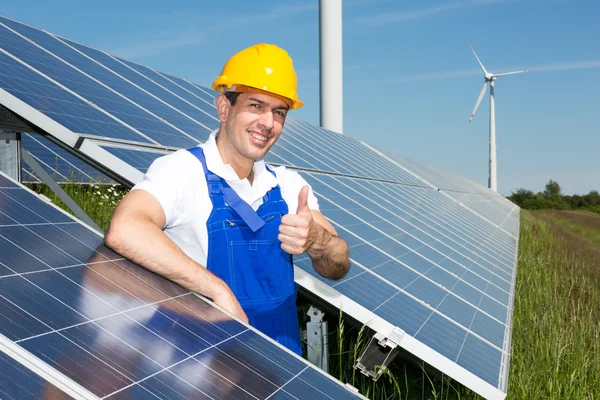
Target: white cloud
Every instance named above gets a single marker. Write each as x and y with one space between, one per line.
390 17
594 64
157 42
462 73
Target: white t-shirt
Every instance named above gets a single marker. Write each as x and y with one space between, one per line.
177 181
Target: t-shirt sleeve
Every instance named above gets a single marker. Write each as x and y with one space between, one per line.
162 181
291 182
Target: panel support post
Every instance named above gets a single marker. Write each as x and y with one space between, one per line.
316 338
47 179
379 354
10 154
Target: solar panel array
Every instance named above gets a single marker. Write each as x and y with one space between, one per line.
111 329
486 202
433 257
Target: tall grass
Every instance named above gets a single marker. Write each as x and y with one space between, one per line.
556 328
97 200
556 322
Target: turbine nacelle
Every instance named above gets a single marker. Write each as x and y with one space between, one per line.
489 77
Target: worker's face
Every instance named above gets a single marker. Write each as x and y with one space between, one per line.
253 124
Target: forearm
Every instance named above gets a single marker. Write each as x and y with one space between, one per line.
147 245
329 254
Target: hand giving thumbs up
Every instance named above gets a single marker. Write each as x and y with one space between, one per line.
295 232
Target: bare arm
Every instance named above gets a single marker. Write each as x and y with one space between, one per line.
328 252
309 231
135 232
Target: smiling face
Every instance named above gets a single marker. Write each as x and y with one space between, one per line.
249 128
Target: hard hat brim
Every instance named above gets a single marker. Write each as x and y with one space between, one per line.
293 104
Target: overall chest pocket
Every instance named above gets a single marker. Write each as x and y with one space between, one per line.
260 271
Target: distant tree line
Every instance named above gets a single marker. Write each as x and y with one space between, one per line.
552 198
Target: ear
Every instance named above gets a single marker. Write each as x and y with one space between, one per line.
223 107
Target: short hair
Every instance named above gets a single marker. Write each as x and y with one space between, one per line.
232 97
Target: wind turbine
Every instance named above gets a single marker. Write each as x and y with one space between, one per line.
491 78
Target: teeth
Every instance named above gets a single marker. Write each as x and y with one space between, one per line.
259 137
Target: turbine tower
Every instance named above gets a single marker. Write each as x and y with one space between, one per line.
491 78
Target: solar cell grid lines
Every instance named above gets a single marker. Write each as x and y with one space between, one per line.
482 200
19 383
433 255
150 117
87 320
408 255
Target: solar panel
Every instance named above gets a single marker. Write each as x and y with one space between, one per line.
74 310
432 275
20 383
484 201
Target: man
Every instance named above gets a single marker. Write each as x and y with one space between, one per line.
218 221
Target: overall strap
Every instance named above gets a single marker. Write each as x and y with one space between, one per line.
217 185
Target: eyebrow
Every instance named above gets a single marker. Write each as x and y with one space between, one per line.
282 107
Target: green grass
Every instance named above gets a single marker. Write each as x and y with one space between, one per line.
556 328
556 322
98 200
589 233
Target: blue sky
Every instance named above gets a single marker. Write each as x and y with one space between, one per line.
410 80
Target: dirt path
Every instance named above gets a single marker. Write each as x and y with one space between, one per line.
583 218
584 250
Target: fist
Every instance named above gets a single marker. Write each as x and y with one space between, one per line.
295 231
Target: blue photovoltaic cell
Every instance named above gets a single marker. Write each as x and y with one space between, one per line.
94 92
346 155
412 257
206 103
138 159
441 179
118 330
429 249
491 205
7 183
118 84
191 109
55 102
203 92
58 163
493 208
19 383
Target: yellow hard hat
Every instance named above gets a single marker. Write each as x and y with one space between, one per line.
265 67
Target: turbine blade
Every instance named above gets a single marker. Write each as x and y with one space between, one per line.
514 72
478 60
484 87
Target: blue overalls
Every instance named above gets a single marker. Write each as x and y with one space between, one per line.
243 250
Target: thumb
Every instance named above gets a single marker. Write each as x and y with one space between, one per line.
303 200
